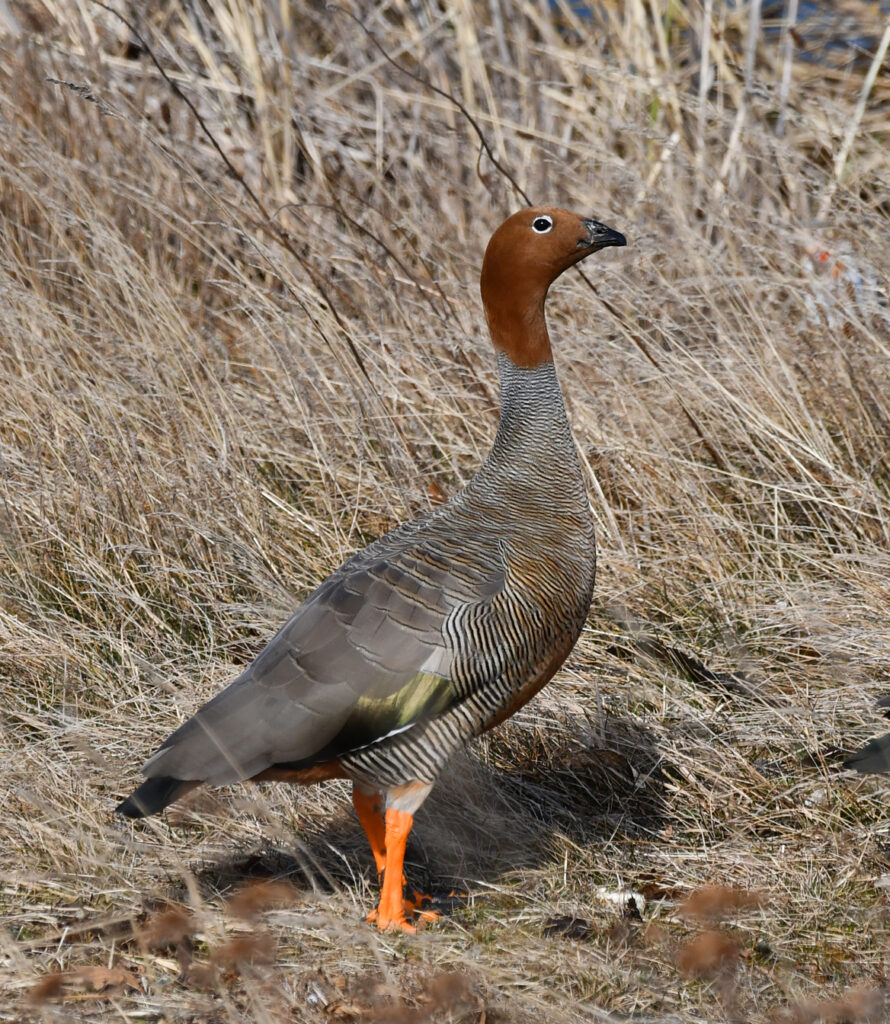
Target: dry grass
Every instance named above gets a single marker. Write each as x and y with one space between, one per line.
217 385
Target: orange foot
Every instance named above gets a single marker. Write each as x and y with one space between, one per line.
393 907
392 923
411 907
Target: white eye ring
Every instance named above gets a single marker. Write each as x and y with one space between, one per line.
542 224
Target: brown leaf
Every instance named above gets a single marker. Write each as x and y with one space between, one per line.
655 934
100 978
436 492
49 987
203 975
345 1010
256 897
859 1005
708 955
244 950
715 902
653 890
98 981
168 928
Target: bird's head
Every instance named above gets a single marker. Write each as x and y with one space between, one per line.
524 257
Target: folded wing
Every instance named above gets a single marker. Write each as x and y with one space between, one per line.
368 654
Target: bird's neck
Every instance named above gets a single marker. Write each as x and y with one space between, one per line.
519 331
533 431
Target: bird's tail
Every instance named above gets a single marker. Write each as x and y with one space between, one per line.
873 757
154 795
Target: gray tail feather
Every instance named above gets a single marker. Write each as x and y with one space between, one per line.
874 757
154 795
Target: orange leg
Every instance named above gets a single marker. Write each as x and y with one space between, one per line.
370 813
391 909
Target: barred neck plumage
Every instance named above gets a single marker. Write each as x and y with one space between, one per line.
534 441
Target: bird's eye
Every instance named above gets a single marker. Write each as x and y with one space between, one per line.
541 225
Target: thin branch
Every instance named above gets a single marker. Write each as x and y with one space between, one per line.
268 222
445 95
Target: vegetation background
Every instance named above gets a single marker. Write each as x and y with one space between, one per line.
240 335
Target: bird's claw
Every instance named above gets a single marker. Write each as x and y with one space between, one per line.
412 906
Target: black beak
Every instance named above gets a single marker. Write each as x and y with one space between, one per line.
599 236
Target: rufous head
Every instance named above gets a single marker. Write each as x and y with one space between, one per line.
525 256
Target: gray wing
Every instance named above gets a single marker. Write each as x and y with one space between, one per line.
365 655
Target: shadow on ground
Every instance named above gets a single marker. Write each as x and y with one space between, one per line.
494 811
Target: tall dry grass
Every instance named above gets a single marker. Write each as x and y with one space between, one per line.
241 336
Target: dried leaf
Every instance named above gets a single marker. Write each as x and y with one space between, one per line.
708 955
716 902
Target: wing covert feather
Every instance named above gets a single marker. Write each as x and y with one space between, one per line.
364 654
